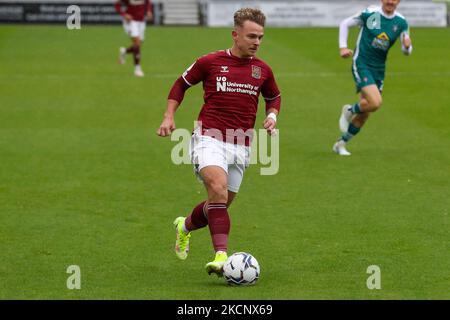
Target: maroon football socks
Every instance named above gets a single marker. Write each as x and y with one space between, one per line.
219 225
214 215
198 218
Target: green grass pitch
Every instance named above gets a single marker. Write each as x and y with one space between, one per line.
84 180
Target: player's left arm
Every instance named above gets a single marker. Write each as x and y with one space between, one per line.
406 41
149 12
272 97
271 121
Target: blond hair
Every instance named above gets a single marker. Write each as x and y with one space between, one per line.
250 14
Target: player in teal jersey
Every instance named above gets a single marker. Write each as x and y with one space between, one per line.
380 28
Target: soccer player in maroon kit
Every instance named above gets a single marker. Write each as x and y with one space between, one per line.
134 22
232 80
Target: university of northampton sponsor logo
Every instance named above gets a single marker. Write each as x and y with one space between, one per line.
256 72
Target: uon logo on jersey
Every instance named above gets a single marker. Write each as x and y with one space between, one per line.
256 72
221 84
224 69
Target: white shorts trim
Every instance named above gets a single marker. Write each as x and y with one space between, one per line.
135 29
233 159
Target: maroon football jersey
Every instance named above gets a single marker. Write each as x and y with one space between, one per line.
136 8
232 87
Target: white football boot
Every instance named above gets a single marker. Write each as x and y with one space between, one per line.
138 71
122 54
346 117
339 148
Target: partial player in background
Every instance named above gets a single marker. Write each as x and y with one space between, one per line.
380 28
136 13
232 80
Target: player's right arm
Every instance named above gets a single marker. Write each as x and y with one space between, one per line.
193 75
168 123
176 95
118 7
149 13
344 26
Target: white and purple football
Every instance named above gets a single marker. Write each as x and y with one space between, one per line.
241 268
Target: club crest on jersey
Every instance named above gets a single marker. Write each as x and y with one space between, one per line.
395 28
256 72
224 69
383 36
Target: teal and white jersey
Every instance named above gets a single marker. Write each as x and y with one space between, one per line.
377 35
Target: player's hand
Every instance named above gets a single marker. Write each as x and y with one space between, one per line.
269 124
166 127
345 52
149 16
406 42
128 17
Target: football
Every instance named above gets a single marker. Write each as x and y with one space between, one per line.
241 268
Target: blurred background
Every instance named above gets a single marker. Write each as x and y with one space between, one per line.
287 13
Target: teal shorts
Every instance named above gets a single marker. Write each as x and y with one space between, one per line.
365 76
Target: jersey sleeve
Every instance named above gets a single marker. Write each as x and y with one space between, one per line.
359 19
149 6
352 21
405 28
197 72
271 93
178 89
118 8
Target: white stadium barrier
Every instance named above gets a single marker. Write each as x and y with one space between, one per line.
219 13
322 13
